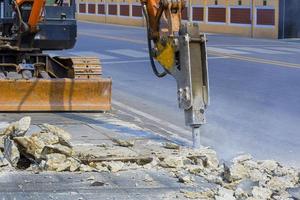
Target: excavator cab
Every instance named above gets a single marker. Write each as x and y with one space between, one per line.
60 18
56 30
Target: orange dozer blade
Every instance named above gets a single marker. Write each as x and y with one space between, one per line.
55 95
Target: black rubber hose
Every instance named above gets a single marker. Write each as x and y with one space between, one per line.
154 68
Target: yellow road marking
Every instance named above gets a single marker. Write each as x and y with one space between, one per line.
233 56
257 60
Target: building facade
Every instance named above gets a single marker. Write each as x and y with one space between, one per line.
251 18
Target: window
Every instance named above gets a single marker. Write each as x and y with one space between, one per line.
112 9
265 17
217 15
124 10
101 9
137 11
91 8
240 15
197 14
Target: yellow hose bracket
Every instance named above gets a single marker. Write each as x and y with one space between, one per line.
166 55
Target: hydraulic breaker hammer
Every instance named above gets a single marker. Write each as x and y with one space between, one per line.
181 51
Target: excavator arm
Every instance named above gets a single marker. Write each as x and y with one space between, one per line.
181 51
37 7
35 14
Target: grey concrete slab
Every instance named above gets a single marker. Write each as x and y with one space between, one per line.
128 185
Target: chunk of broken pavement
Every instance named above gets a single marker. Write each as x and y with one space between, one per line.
114 166
63 135
32 145
261 193
211 159
57 148
268 166
207 194
242 158
246 186
11 151
194 169
3 161
235 172
123 143
172 161
101 167
47 137
18 128
224 194
280 183
169 145
186 179
74 164
86 168
55 161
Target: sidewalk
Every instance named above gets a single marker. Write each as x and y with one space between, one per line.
91 134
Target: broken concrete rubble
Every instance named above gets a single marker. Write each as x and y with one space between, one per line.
169 145
243 178
3 161
206 194
50 148
114 166
261 193
11 152
63 136
172 162
124 143
18 128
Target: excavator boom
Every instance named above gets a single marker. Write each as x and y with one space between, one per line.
36 11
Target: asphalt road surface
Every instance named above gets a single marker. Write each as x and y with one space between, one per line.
254 88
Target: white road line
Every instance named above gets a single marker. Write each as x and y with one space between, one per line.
129 53
217 57
259 50
92 53
151 117
285 49
226 51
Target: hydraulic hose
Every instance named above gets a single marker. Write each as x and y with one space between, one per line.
154 68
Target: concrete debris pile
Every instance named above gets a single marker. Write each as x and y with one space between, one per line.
48 149
243 178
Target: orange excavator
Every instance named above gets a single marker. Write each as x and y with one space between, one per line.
31 80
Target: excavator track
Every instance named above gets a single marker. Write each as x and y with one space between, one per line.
84 67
